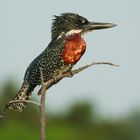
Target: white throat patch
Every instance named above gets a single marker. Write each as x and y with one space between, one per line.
71 32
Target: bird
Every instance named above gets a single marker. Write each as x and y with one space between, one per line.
65 49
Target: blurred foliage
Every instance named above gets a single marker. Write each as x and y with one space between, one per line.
80 114
78 124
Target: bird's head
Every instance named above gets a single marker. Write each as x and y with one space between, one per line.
70 23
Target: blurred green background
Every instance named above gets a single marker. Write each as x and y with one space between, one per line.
80 122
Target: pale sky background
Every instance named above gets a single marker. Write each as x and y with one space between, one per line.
25 32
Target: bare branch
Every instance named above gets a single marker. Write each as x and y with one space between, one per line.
92 64
51 82
42 108
105 63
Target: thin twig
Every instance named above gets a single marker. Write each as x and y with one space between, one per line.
42 109
105 63
51 82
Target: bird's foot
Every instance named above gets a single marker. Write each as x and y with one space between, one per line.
55 78
70 74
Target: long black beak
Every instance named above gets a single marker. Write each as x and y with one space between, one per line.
98 25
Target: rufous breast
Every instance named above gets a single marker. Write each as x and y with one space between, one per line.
74 48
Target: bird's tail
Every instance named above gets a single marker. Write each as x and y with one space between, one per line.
19 102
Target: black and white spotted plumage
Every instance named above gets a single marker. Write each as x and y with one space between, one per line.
50 62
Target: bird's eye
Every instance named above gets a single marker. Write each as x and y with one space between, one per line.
82 22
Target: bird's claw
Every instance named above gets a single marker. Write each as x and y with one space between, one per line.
71 74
